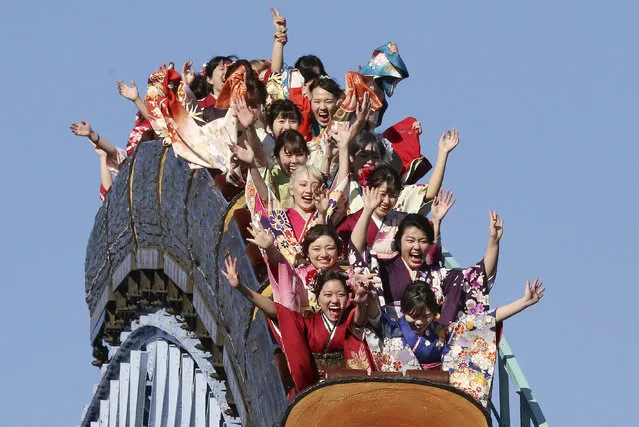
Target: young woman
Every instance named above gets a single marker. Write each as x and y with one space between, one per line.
466 348
329 338
414 242
282 115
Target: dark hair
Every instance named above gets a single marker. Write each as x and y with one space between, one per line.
255 89
363 140
214 62
200 87
327 276
306 64
284 108
328 84
294 140
385 174
315 233
417 221
417 297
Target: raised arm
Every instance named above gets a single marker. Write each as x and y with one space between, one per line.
281 38
532 294
187 72
264 239
132 94
495 232
247 116
364 297
245 154
84 129
441 205
447 143
341 133
258 300
372 199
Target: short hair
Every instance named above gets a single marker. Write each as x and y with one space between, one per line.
365 138
413 220
315 233
385 174
284 108
307 170
215 61
328 84
306 65
200 87
328 275
417 297
294 140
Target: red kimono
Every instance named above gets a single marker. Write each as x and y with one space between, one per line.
301 337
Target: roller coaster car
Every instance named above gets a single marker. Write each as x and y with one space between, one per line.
352 398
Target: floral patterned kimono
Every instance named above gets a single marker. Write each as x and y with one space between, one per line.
177 118
459 290
289 228
467 349
312 344
379 235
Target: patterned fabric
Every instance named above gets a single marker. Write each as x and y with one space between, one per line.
467 349
378 239
301 336
288 85
355 83
234 88
142 131
175 117
386 68
410 200
471 355
407 148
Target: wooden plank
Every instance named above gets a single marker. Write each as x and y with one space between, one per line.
158 392
104 413
137 387
148 259
203 310
186 391
175 358
176 273
122 270
234 386
200 398
114 396
215 415
125 375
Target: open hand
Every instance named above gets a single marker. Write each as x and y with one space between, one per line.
533 292
449 140
231 271
416 127
441 205
321 199
187 72
261 237
340 132
372 199
129 92
243 152
81 129
245 115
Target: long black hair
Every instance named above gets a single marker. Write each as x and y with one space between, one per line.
413 220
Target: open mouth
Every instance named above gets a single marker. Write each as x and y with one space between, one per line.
307 198
416 257
334 310
323 116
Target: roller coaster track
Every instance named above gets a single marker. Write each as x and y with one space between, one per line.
176 346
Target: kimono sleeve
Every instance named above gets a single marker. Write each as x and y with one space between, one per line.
464 291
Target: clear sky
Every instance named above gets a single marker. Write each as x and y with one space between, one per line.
544 95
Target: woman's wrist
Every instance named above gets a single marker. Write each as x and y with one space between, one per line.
92 138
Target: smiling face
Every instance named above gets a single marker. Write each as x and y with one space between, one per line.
217 78
419 321
332 299
389 198
290 159
322 253
414 247
366 157
323 105
281 123
302 190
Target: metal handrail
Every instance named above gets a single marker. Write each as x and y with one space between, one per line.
529 409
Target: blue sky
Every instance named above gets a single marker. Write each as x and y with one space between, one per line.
544 95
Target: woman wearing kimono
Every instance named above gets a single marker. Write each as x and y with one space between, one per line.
456 288
331 337
467 349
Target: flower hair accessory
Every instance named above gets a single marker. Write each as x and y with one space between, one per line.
365 176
